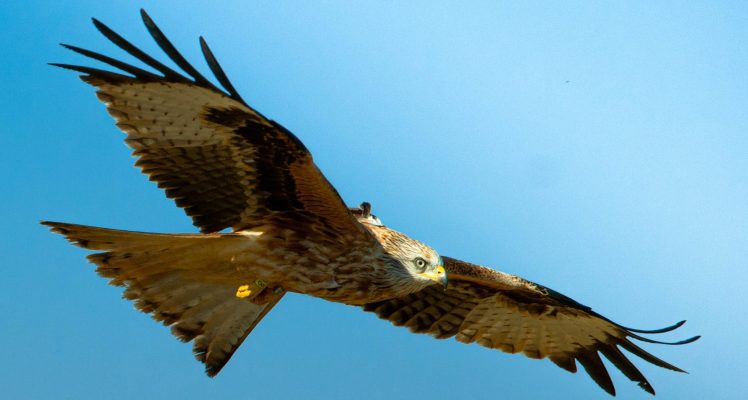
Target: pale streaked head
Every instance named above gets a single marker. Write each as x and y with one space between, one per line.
420 262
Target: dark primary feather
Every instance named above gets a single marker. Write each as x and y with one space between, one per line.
508 313
178 59
661 330
215 67
171 51
103 74
130 69
125 45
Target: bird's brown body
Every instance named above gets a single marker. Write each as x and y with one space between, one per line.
354 276
231 168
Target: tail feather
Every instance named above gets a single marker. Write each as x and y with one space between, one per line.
95 238
166 276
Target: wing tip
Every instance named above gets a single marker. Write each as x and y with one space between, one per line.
147 20
99 25
675 343
660 330
647 387
60 65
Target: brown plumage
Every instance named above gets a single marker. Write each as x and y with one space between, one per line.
230 167
505 312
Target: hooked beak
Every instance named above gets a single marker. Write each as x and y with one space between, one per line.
438 275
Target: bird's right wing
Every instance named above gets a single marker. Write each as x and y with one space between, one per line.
223 162
505 312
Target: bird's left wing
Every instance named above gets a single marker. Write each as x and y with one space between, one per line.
223 162
506 312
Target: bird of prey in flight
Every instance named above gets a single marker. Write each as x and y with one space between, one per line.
271 223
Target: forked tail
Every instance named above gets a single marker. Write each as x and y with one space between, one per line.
165 275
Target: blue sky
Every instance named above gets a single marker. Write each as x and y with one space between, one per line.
601 150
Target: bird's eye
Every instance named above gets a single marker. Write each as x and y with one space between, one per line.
420 264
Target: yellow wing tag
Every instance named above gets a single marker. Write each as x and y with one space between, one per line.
251 290
243 291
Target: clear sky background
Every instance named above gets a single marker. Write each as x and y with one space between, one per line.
599 149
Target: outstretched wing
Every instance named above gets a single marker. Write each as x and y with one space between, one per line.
506 312
223 162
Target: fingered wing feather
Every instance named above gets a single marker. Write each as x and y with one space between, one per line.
223 162
505 312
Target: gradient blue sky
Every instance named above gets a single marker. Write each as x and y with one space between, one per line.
601 150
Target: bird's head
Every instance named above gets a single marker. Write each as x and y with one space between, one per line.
411 259
425 265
